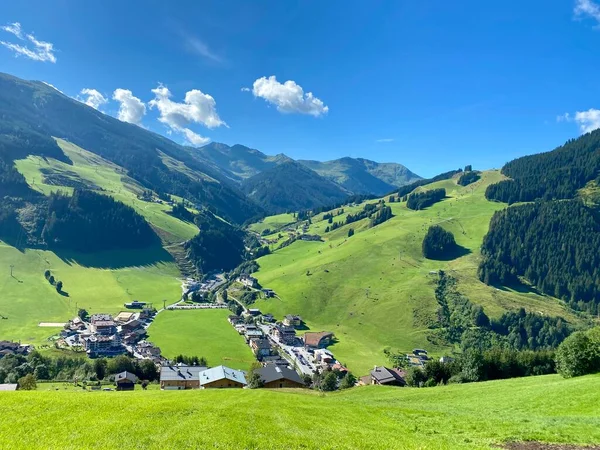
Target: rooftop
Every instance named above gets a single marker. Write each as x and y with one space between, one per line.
272 372
222 373
314 339
178 372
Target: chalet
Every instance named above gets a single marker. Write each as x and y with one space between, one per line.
338 367
125 381
254 312
274 376
147 350
132 325
285 334
317 340
103 324
248 281
124 316
324 357
233 319
292 320
268 318
275 359
180 377
134 336
261 347
269 293
135 305
253 334
387 377
221 377
13 348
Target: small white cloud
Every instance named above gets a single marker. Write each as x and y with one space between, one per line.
588 121
288 97
197 107
199 47
587 8
41 50
53 87
92 98
385 140
131 108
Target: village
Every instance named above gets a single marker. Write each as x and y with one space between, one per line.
287 353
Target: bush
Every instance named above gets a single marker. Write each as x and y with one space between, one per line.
579 354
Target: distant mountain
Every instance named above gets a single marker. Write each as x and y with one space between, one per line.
362 176
291 186
32 113
237 162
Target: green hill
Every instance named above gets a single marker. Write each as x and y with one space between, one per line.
472 416
362 176
375 290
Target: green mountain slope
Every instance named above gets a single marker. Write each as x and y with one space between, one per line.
362 176
291 187
32 113
471 416
375 290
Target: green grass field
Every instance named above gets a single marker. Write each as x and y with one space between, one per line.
96 171
274 223
475 416
92 282
374 290
201 333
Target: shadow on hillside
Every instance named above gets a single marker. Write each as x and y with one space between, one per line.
116 259
521 288
458 252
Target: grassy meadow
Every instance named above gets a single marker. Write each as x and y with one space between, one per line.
201 333
101 282
375 290
473 416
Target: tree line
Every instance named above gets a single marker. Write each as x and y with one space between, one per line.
552 175
554 245
468 177
422 200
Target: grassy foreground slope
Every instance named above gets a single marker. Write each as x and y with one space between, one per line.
201 333
474 416
374 289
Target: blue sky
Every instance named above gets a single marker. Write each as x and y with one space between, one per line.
431 84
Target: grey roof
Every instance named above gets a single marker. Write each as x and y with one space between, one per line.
220 373
261 343
272 372
8 387
126 376
180 372
383 375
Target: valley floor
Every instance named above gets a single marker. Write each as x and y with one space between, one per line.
474 416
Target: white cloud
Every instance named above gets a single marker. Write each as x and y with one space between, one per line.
587 120
197 107
385 140
52 86
92 98
201 48
40 51
289 97
587 8
131 108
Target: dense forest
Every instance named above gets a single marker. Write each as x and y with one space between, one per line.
554 245
89 222
438 243
376 212
218 246
405 190
553 175
421 200
468 177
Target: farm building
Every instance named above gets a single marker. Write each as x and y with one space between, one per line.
222 377
180 377
292 320
248 281
317 340
274 376
125 381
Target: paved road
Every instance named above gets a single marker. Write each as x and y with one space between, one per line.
295 354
